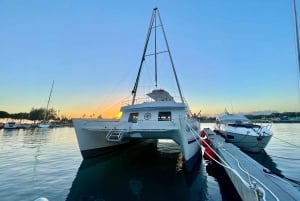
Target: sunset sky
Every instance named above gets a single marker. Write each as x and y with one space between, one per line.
239 55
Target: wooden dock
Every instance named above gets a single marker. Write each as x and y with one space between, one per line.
251 180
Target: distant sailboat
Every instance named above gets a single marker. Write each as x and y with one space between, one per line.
45 123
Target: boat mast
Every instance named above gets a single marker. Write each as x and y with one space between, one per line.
297 34
153 20
297 42
46 115
155 52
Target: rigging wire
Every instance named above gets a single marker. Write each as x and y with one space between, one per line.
286 142
297 182
287 158
298 45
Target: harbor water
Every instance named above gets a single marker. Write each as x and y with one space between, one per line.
47 163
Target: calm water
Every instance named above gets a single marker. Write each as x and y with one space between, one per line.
47 163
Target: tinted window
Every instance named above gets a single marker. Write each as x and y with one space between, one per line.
164 116
133 117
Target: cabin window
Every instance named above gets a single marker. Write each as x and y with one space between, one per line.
164 116
133 117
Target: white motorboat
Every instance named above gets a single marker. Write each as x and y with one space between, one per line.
11 125
160 117
242 132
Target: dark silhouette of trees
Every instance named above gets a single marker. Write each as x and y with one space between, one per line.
4 114
35 114
21 115
42 113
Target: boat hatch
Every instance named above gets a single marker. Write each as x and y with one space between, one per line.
133 117
164 116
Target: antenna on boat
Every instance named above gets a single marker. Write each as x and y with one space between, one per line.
297 34
153 19
155 52
297 42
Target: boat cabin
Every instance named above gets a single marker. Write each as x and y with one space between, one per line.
161 108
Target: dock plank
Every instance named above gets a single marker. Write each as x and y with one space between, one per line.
251 179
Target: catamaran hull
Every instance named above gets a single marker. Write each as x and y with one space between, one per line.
92 139
101 151
93 143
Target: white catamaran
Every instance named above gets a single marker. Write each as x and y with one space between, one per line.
157 117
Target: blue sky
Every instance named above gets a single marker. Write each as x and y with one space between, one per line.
239 55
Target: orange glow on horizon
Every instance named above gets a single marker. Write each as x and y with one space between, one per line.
111 113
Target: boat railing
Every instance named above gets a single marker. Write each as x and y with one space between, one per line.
141 100
268 125
265 124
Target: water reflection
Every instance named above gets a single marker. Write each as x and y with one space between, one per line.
228 192
142 172
10 132
36 138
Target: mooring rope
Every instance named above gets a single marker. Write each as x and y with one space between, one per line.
287 158
251 176
286 142
225 165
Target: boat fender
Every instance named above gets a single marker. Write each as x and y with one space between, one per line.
205 142
208 153
202 133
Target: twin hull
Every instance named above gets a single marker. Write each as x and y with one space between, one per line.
92 135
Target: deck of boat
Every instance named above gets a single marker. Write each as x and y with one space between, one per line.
251 180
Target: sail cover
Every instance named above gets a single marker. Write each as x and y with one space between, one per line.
160 95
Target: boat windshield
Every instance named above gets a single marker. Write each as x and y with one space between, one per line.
234 120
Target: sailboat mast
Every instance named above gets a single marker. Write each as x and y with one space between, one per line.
297 33
297 42
49 101
153 20
155 53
